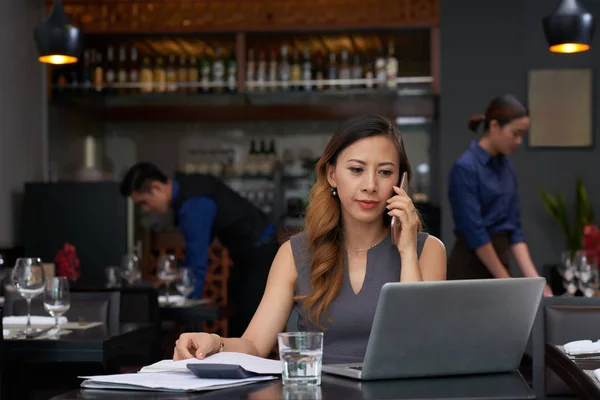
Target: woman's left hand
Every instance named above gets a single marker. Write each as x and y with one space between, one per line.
402 207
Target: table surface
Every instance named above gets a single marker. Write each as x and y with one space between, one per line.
574 371
475 387
81 345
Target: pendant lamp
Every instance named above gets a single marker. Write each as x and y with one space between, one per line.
569 29
58 40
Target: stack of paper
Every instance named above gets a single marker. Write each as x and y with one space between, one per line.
168 375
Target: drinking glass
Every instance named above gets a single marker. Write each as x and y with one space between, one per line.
166 270
587 266
57 298
568 271
130 268
301 355
186 281
29 280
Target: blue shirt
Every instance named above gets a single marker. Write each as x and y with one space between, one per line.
484 197
196 217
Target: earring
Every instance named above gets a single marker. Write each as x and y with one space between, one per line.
333 191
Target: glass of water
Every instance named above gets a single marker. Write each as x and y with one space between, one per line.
57 298
301 356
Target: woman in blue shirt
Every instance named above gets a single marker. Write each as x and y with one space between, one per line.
484 197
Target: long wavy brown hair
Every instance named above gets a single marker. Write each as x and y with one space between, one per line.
323 222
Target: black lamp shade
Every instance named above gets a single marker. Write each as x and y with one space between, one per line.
57 40
570 28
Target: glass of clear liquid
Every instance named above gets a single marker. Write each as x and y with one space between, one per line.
29 279
57 298
301 356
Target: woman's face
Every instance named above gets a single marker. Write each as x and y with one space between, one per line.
507 138
364 175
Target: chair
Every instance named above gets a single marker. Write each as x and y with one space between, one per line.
85 306
560 320
217 274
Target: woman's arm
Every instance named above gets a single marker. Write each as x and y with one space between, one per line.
433 260
270 317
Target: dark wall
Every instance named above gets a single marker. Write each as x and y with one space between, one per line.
487 48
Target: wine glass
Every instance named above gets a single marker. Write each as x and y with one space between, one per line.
130 268
166 270
29 279
57 298
186 281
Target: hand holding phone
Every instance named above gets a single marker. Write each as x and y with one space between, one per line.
395 226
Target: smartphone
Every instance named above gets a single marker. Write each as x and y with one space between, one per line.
395 225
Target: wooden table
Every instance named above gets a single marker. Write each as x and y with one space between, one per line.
481 387
575 372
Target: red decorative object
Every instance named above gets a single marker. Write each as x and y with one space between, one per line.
67 262
591 240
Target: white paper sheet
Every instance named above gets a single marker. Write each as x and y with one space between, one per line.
164 381
249 363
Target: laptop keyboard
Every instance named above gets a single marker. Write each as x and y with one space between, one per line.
357 368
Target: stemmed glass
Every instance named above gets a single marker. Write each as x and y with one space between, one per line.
130 268
186 281
57 298
568 271
166 270
29 279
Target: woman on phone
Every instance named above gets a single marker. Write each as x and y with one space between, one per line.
332 273
484 197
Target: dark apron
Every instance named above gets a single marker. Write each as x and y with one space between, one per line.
463 263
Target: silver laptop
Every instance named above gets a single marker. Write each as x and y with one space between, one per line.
424 329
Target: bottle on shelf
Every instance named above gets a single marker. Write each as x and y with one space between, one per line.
391 66
218 71
296 71
284 69
171 74
122 74
261 72
192 74
307 70
182 75
134 73
273 69
109 72
160 76
98 72
146 76
205 76
332 70
250 70
345 71
231 71
380 68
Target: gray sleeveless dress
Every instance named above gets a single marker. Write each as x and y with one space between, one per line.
346 336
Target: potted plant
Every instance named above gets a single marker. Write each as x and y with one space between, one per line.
584 216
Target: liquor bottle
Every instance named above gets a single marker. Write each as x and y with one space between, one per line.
284 69
345 71
205 74
146 76
273 70
231 71
261 71
192 74
109 73
122 70
87 73
380 68
306 71
98 72
250 70
160 76
370 73
332 70
171 74
134 73
319 71
296 71
182 75
357 70
392 66
218 71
